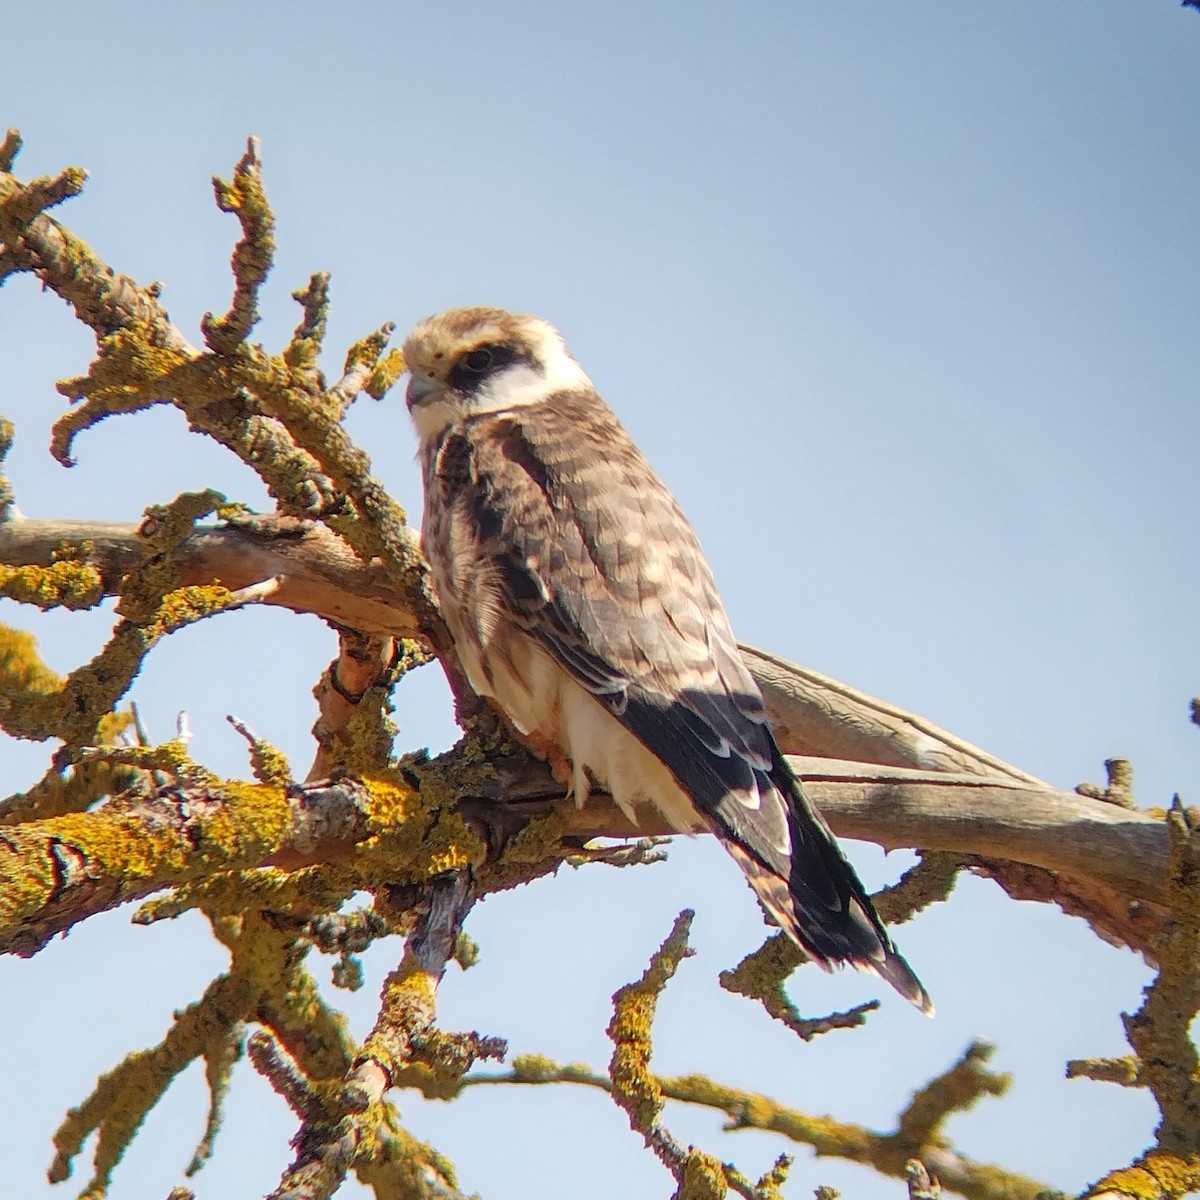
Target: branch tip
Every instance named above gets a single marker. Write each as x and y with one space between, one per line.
9 149
761 976
921 1185
253 255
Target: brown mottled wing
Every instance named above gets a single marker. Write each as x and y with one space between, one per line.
587 550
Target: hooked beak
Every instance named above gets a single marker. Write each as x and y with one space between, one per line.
420 388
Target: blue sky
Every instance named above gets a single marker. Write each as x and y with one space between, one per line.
901 301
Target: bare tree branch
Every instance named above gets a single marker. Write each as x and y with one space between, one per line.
1096 860
318 572
815 714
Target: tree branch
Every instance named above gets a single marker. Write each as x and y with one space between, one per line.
352 1128
319 573
1103 862
55 873
815 714
888 1153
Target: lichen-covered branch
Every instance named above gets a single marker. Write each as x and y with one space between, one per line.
80 709
252 256
57 872
1165 1060
955 1090
354 731
698 1175
354 1127
760 976
633 1086
917 1135
102 299
207 1029
302 1047
319 573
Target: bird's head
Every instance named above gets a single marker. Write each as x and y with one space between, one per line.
470 361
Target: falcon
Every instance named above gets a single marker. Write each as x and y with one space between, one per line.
581 603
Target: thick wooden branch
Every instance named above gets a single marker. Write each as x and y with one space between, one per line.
815 714
317 570
59 871
319 573
1098 861
1121 849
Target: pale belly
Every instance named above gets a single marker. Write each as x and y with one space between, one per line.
562 719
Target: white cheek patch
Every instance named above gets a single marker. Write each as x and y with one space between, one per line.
514 387
523 384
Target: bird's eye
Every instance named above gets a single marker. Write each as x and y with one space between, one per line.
478 360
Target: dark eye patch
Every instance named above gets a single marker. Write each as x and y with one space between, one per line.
480 363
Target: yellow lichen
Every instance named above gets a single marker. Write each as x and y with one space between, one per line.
1157 1175
387 370
364 745
119 845
63 584
186 605
22 670
703 1178
368 349
393 801
269 764
407 1005
634 1088
131 371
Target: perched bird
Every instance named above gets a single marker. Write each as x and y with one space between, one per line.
580 601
